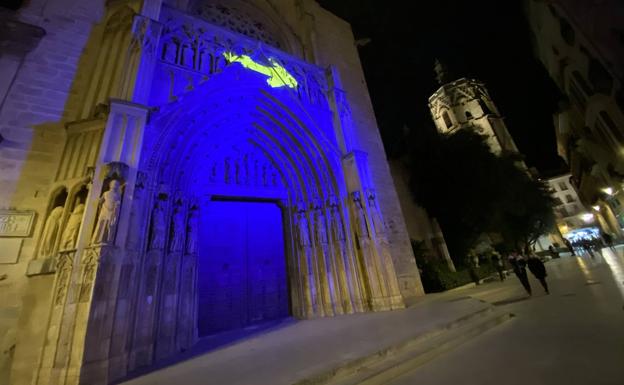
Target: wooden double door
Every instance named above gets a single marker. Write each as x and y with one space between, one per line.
242 276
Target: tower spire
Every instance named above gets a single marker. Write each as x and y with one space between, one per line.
441 72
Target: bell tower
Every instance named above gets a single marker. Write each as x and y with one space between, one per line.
466 104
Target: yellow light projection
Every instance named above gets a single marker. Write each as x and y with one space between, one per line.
278 75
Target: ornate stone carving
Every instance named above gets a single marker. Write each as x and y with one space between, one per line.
303 231
64 266
237 20
191 231
200 47
89 264
178 230
336 221
70 234
158 230
378 223
51 231
320 226
360 216
106 223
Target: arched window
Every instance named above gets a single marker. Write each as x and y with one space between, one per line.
447 119
469 115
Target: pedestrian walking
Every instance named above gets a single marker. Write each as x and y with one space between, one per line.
569 246
608 240
472 260
537 268
497 260
553 253
518 263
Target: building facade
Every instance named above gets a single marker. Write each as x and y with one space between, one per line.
580 45
174 169
572 216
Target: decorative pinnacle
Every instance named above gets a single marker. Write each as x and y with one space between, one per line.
441 72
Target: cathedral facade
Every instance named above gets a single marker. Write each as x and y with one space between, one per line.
176 169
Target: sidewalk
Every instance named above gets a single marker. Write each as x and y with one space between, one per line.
296 351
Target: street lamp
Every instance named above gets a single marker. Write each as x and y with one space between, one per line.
596 208
587 217
608 190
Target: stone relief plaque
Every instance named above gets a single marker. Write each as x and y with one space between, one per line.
16 223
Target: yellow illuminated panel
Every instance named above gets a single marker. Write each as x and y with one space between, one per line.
278 75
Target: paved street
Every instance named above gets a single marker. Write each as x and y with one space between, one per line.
573 336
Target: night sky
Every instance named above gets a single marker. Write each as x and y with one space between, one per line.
484 39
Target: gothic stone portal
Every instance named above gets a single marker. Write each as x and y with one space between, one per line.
241 199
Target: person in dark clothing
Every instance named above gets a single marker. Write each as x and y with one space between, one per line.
518 264
570 247
472 260
537 268
608 240
497 260
553 253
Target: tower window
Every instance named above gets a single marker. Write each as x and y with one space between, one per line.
567 32
469 115
447 119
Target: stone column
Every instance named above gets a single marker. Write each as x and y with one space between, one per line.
100 239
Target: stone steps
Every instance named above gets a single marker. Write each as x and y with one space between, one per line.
394 361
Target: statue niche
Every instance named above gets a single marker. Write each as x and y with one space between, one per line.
70 234
52 226
177 230
51 231
106 224
191 231
157 240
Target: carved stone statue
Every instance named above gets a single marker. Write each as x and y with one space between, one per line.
177 239
191 234
227 171
50 231
376 217
303 230
337 228
321 229
362 227
157 241
70 234
109 212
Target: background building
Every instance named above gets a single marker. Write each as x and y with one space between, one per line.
574 220
466 104
580 43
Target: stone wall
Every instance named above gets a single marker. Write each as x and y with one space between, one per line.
47 89
33 110
335 46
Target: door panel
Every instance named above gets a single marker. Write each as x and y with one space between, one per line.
242 268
